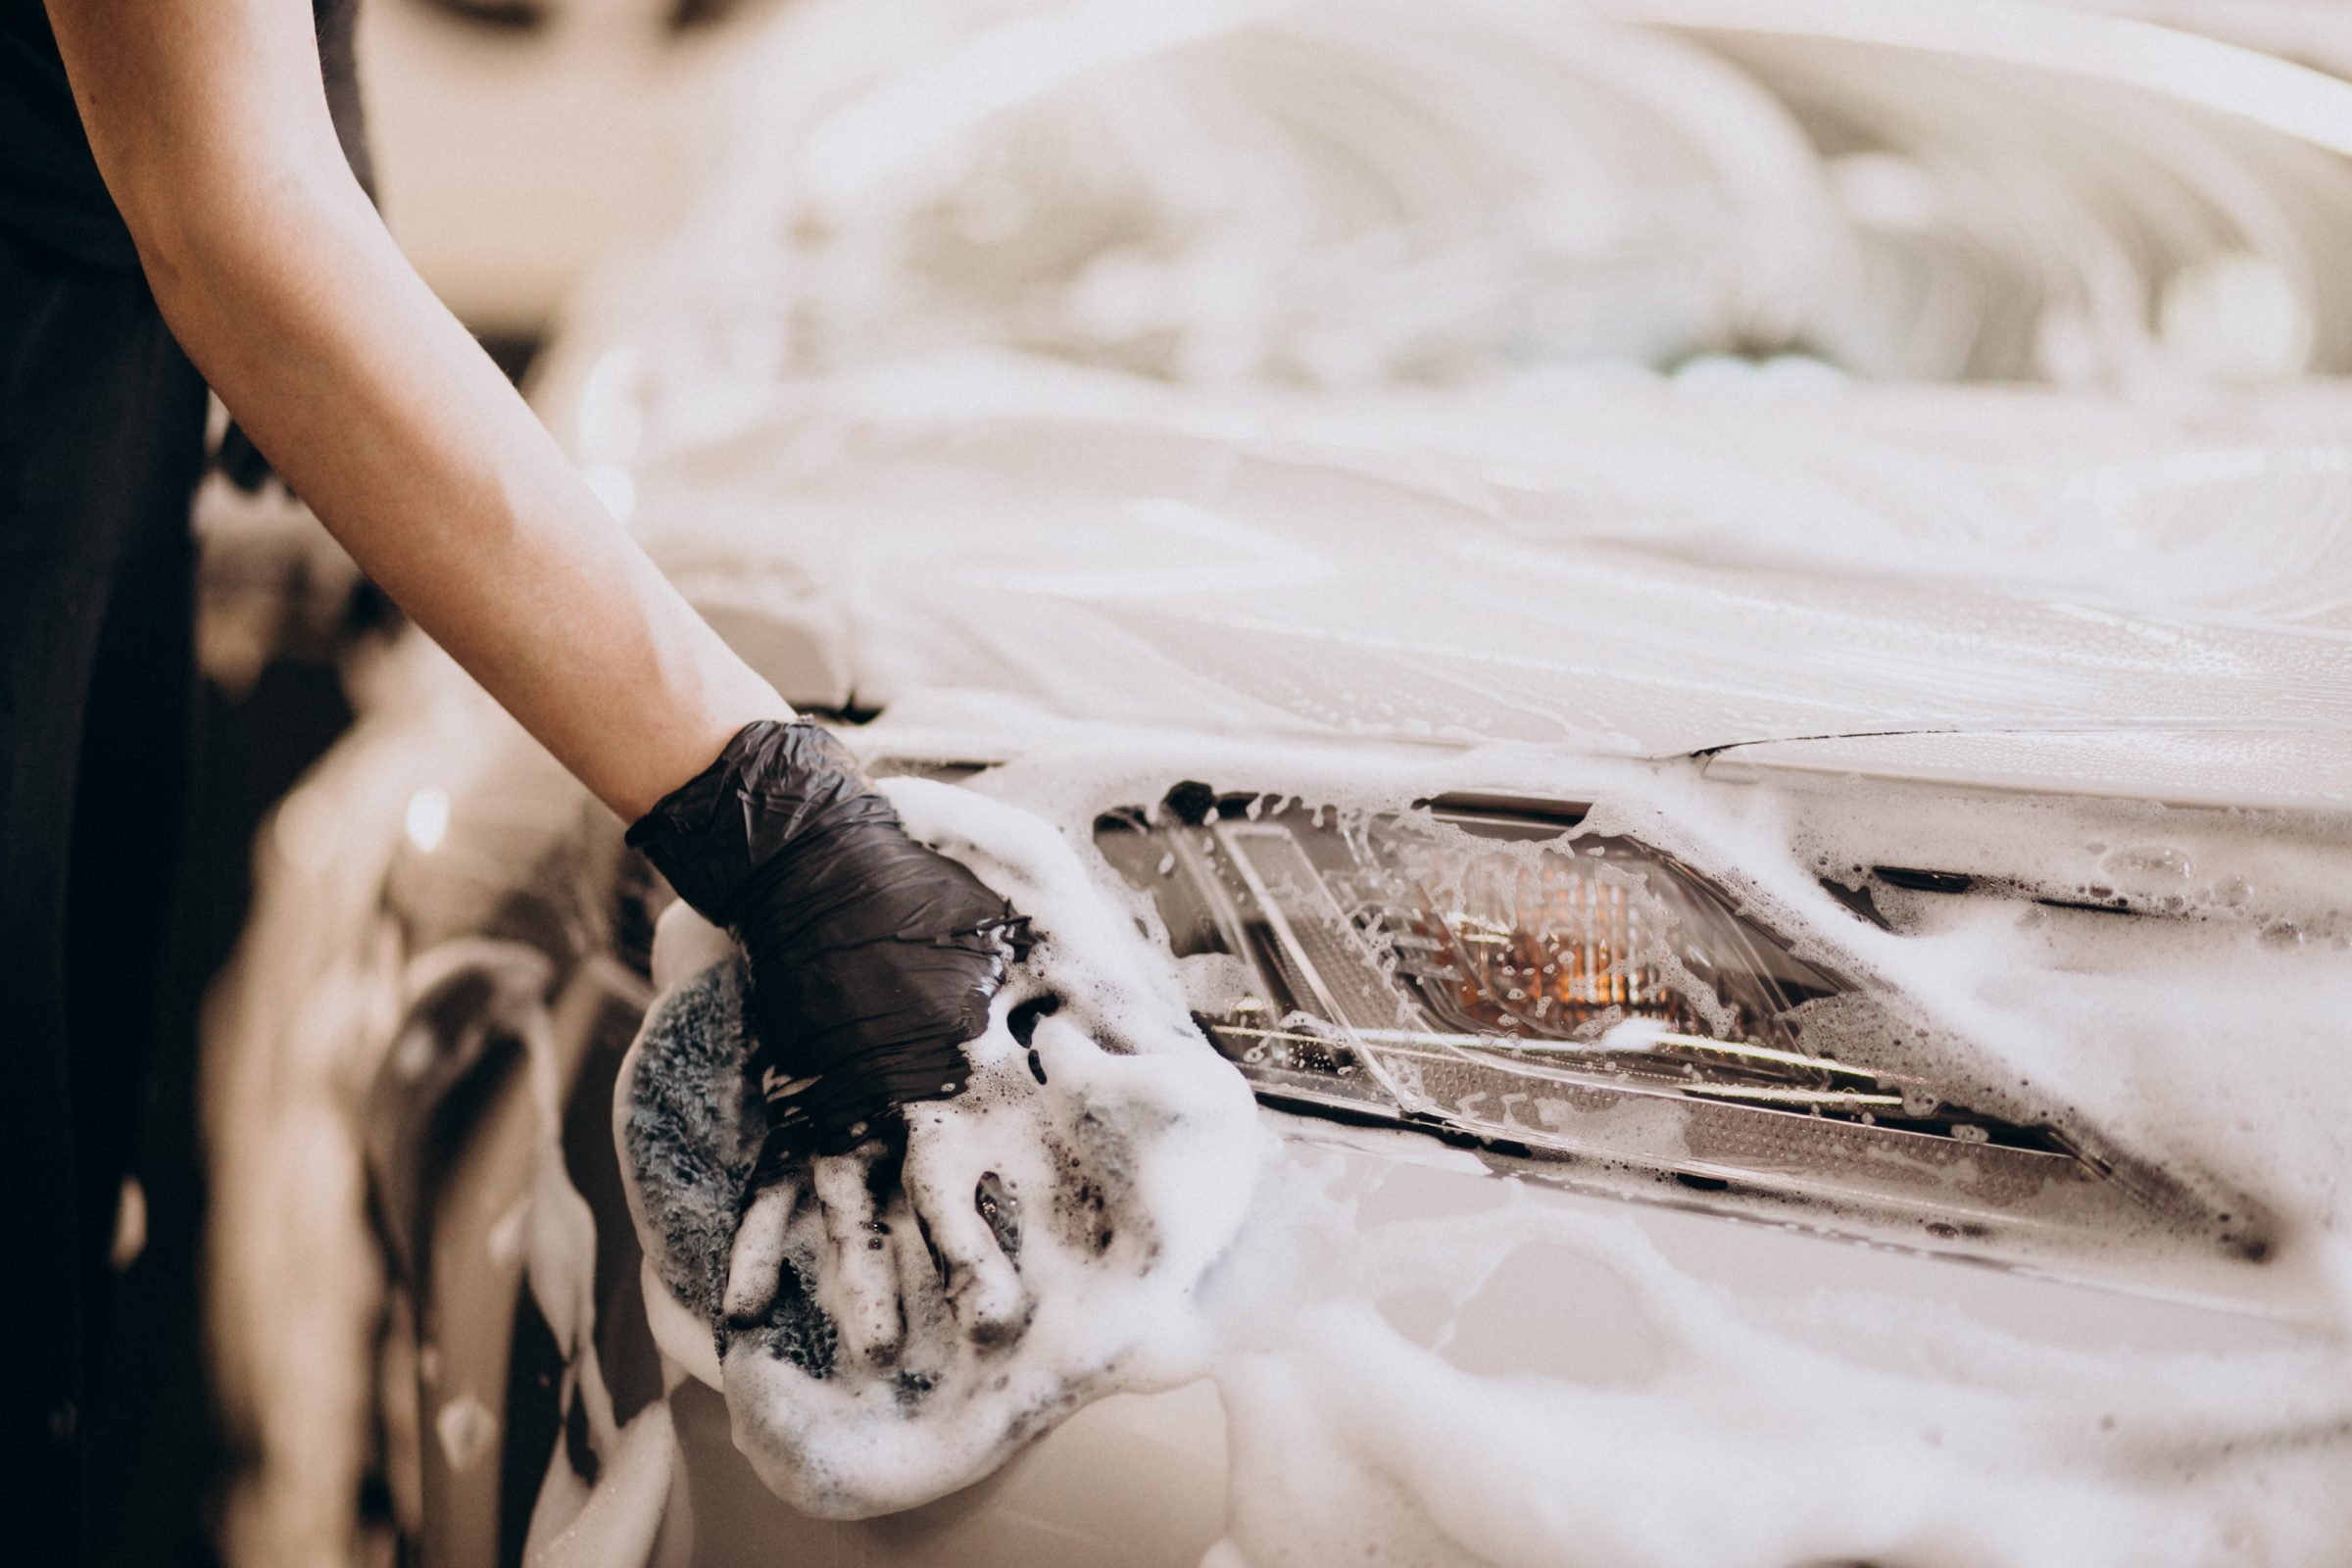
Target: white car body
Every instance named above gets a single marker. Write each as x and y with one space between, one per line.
2024 711
1247 586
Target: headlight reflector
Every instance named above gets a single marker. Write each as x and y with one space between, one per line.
1492 970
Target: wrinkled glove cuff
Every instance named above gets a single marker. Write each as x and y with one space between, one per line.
872 956
711 835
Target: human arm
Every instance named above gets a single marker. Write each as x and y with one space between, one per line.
873 957
210 126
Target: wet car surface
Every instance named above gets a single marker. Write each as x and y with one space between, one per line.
1787 932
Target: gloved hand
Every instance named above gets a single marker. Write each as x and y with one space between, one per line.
872 956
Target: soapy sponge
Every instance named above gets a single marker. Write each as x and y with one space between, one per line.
876 1348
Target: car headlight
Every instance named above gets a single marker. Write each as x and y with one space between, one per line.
1486 971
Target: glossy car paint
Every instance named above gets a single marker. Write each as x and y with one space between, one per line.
846 583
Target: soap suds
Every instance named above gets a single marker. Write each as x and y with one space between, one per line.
1746 1445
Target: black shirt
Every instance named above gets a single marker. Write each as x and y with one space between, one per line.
50 192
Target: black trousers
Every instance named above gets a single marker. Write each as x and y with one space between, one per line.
101 443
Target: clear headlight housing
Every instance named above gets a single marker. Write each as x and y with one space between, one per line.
1486 971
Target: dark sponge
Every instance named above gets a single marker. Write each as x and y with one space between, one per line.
691 1135
692 1131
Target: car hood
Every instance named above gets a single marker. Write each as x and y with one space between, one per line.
1636 567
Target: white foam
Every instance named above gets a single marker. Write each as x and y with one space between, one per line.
1744 1446
1484 189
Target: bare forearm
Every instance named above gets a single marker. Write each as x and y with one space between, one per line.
386 415
210 126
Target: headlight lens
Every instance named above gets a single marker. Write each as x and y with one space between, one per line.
1483 968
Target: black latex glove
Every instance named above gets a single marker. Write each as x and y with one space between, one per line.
872 956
